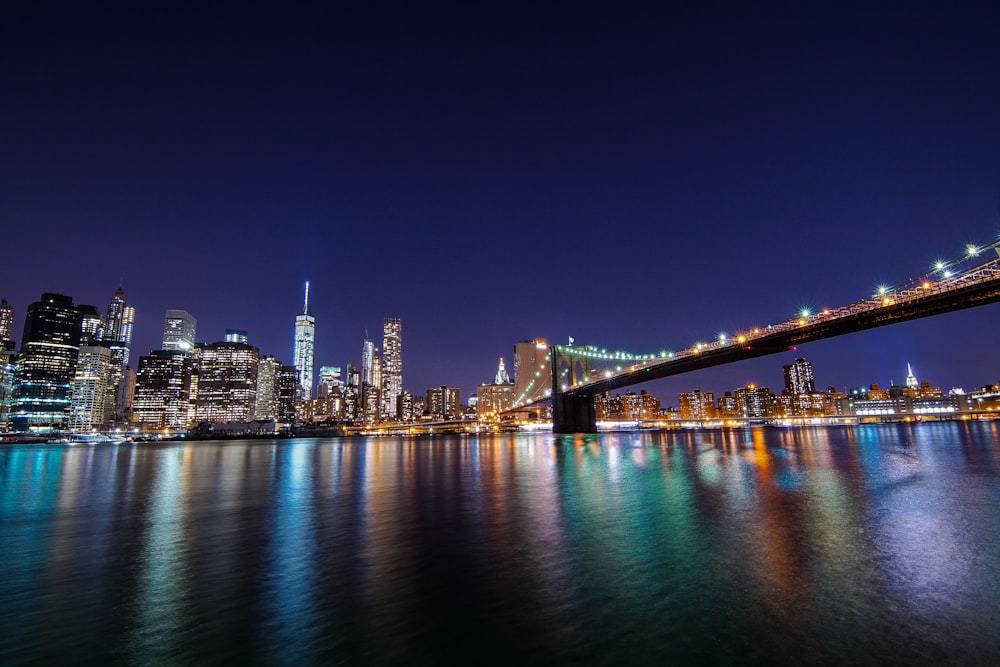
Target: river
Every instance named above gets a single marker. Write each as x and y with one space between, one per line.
856 544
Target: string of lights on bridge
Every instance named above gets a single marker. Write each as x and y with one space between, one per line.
942 276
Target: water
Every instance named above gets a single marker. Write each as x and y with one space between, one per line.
865 545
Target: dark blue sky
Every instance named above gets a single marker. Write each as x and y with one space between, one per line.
636 178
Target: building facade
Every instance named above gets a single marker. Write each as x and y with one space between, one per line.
50 347
179 330
227 383
392 365
163 391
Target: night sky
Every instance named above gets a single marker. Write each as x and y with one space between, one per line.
638 179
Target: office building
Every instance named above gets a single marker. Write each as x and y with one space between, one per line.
493 399
266 403
305 343
179 330
227 383
163 391
116 335
329 381
89 395
50 347
237 336
6 321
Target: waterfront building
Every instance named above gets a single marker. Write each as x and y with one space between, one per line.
163 390
266 402
179 330
6 321
88 397
754 402
227 383
8 374
696 405
237 336
492 399
728 407
392 365
50 347
799 377
404 407
305 342
443 403
287 384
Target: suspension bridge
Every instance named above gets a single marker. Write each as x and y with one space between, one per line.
576 373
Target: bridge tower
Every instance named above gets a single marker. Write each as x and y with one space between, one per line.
571 412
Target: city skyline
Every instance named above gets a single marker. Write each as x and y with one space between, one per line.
682 189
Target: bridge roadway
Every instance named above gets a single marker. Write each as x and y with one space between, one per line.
934 294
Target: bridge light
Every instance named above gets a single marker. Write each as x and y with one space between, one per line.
947 274
618 368
670 354
972 250
607 374
938 265
926 285
882 289
722 338
805 312
741 339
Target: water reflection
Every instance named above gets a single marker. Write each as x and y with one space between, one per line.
857 544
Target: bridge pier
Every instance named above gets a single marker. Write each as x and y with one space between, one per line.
573 414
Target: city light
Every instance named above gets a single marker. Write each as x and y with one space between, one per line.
972 250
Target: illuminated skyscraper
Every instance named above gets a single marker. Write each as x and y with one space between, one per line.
163 388
367 361
116 335
90 390
911 379
305 341
6 321
49 350
179 329
116 328
227 383
392 365
799 378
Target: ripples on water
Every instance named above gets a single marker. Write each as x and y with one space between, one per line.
863 545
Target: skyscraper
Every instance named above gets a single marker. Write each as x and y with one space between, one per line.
116 327
49 350
305 341
392 365
6 321
179 329
237 336
227 383
116 335
90 391
911 379
162 395
799 378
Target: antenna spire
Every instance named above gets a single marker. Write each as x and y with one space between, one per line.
305 307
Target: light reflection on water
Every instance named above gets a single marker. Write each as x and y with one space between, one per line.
865 544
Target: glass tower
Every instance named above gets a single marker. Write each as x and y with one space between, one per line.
305 341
